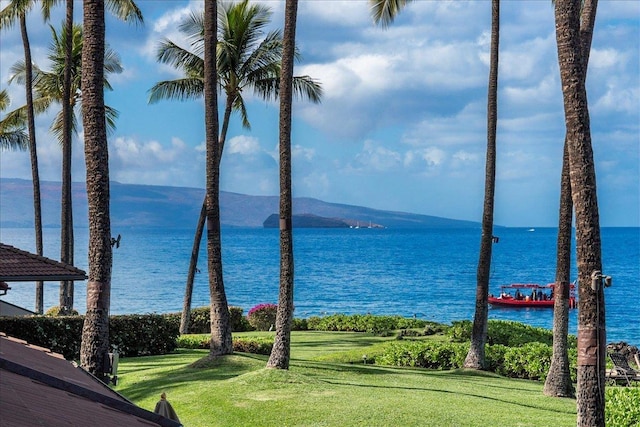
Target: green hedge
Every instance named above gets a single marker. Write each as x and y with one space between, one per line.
363 323
622 406
505 332
199 320
134 335
256 345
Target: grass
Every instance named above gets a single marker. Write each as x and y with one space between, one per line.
320 390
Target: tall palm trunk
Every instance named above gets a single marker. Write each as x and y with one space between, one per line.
280 353
220 326
197 239
95 332
558 382
33 154
66 223
591 315
476 356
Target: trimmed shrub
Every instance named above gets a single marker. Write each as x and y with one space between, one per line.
134 335
55 311
255 345
263 316
424 354
529 361
622 406
199 320
505 332
299 325
363 323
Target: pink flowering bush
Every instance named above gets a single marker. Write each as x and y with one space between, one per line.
263 316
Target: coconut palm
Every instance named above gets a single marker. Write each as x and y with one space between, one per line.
384 11
95 331
12 130
49 90
558 382
281 351
591 315
247 59
17 10
476 356
125 10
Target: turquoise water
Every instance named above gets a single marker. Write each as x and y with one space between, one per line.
427 273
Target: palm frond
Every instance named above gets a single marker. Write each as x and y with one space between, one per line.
16 140
170 53
13 11
385 11
111 114
180 89
125 10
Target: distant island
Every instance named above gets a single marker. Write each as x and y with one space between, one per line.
315 221
153 206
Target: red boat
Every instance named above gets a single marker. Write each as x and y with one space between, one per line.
529 295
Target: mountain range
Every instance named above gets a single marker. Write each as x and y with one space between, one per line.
134 205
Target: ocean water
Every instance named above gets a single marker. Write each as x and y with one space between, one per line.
430 274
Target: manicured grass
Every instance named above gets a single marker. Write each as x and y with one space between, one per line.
238 390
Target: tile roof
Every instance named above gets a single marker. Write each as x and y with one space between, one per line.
17 265
38 387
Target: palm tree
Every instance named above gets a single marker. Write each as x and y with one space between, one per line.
12 132
476 355
95 331
49 90
558 382
221 343
591 315
384 11
126 10
245 61
280 353
17 10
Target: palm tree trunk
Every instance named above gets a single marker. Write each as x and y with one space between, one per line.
66 233
558 382
591 315
476 356
195 252
221 343
197 240
33 154
280 353
95 332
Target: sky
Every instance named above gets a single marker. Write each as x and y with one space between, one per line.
402 124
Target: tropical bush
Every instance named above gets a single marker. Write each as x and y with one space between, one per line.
255 345
199 320
363 323
505 332
262 317
55 311
424 354
622 406
133 335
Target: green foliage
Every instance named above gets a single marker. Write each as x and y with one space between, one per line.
199 320
262 317
529 361
505 332
134 335
143 334
55 311
363 323
245 344
622 406
424 354
299 325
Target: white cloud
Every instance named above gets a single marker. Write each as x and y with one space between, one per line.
243 145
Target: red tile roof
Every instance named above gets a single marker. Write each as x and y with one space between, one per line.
38 387
17 265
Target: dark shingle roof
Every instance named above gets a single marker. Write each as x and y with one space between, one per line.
38 387
17 265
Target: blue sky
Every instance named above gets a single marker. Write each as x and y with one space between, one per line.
402 125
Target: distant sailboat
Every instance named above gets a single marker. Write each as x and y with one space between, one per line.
532 229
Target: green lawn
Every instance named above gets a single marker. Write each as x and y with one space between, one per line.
317 390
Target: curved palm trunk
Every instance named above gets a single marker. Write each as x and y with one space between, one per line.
558 382
33 154
95 332
197 239
280 353
591 315
66 223
220 326
476 356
